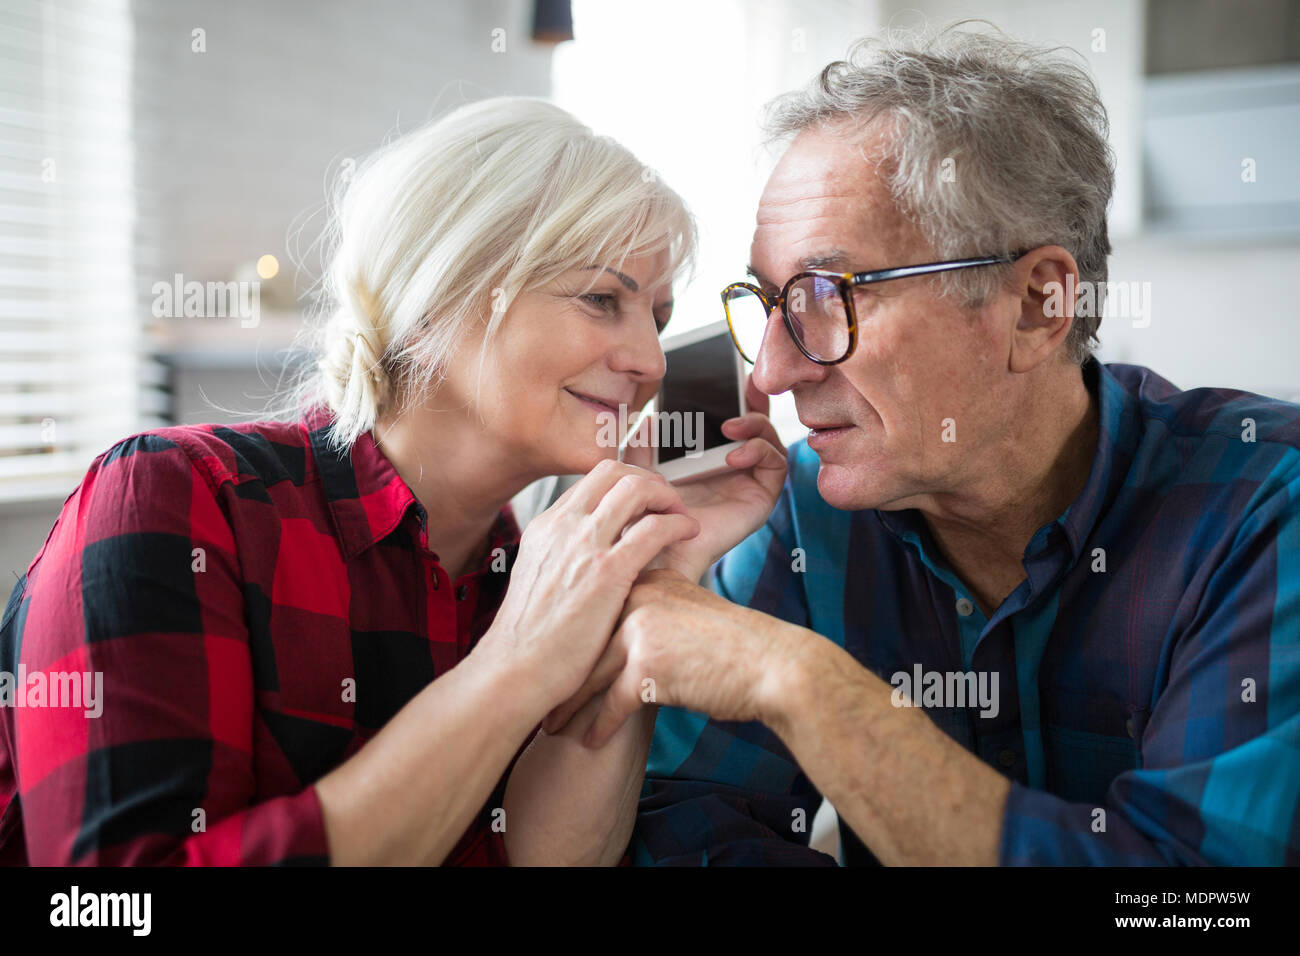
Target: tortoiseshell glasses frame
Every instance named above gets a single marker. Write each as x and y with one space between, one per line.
845 282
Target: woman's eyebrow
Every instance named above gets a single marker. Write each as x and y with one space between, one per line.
626 280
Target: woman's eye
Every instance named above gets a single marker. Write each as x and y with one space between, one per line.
603 301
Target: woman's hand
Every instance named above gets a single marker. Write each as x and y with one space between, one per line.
681 645
734 504
575 568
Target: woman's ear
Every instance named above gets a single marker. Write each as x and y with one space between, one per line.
1047 279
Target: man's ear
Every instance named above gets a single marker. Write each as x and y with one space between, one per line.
1046 280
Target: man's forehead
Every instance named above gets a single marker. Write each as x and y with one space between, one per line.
820 165
825 196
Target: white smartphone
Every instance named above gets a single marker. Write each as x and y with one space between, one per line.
703 386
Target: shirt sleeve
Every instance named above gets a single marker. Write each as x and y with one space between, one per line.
730 793
1219 781
138 589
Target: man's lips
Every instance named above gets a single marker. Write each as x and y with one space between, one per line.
825 436
825 426
824 432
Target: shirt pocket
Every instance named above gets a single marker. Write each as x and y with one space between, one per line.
1082 765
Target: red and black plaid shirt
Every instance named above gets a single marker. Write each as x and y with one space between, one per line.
259 607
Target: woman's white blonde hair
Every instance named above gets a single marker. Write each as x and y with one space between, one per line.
438 231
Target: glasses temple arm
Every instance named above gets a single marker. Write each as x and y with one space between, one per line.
903 272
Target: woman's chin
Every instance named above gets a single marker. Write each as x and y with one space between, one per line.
581 461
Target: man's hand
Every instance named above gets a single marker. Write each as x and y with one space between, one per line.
734 504
907 789
682 645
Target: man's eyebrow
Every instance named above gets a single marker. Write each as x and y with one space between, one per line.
836 257
833 259
626 280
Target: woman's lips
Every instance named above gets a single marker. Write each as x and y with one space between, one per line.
593 402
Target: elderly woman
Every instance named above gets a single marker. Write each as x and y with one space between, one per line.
324 639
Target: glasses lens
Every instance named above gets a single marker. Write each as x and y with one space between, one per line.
819 316
748 317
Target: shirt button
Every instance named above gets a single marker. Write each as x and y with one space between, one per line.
462 592
1007 758
964 607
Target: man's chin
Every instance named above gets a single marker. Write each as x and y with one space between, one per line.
845 488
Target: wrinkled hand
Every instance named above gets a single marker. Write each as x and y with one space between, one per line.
682 645
577 563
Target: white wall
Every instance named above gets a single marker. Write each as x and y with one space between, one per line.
234 144
1222 314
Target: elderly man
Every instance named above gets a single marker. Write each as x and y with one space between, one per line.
1012 606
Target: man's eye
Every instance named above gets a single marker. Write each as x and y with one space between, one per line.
603 301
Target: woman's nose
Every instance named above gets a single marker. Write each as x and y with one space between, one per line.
641 353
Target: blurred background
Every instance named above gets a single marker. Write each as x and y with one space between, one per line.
146 144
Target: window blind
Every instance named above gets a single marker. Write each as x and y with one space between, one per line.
74 373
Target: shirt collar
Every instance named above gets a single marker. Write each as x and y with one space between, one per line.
1117 439
368 499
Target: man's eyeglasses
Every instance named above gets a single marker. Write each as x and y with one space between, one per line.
818 307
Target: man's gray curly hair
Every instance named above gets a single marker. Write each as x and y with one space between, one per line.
1022 128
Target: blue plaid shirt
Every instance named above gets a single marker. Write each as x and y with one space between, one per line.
1149 663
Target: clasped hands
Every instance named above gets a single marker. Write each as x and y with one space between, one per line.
680 644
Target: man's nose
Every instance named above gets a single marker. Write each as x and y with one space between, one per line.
780 366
